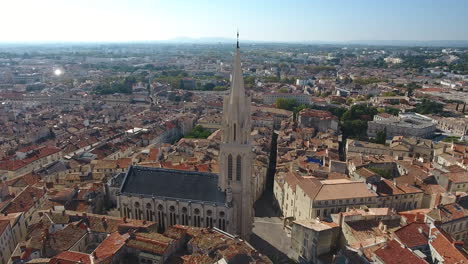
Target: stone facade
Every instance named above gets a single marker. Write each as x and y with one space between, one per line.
236 154
407 124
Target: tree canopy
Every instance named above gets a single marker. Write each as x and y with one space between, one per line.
429 107
198 132
124 86
354 120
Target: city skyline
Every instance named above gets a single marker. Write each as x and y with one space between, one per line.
272 21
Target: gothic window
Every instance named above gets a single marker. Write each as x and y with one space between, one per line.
149 215
172 215
230 167
197 217
222 221
137 213
184 216
209 222
160 217
149 212
234 132
128 212
222 224
209 219
238 167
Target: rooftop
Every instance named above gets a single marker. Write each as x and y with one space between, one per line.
176 184
316 225
394 253
413 235
343 189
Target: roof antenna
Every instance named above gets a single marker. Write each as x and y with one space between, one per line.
237 38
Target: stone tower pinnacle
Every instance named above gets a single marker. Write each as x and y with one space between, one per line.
236 152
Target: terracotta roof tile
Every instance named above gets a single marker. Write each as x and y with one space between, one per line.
413 235
394 253
443 244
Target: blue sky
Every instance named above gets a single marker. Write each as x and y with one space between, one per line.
264 20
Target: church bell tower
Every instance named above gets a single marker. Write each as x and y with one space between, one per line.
236 154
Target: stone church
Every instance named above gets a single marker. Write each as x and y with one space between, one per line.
200 199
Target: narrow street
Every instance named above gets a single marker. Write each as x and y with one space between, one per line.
268 235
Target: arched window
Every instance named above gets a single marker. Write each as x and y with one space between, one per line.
184 216
161 217
238 167
234 132
149 212
209 219
197 217
230 167
172 215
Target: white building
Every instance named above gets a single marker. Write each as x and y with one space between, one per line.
406 124
301 98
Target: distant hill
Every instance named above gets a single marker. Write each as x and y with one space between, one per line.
425 43
429 43
200 40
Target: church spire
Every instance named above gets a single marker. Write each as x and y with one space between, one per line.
237 107
236 152
237 83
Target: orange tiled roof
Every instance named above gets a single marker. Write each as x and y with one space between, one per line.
444 245
394 253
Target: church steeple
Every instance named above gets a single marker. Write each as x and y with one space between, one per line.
237 108
236 156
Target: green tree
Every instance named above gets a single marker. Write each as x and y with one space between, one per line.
198 132
287 104
370 80
387 174
249 81
353 121
381 137
283 90
209 86
220 88
392 111
429 107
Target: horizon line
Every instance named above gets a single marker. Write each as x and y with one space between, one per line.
223 40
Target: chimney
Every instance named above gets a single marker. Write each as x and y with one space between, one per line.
95 255
63 212
125 219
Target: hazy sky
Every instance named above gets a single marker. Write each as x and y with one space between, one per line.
265 20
